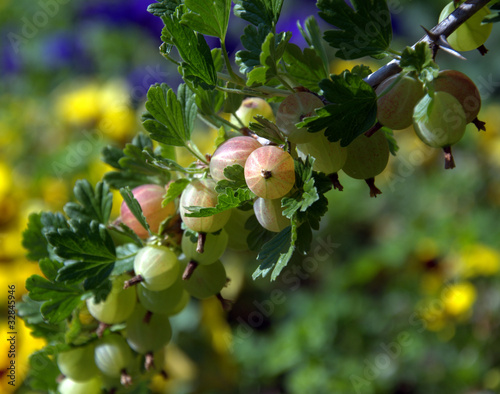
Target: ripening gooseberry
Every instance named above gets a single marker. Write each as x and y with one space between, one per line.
439 121
330 156
118 305
78 363
201 192
113 355
250 108
163 301
398 96
462 88
366 158
90 386
214 247
206 280
472 33
269 213
150 199
270 172
156 267
234 151
147 332
294 109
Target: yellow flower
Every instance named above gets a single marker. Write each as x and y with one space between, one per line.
54 192
79 106
479 260
118 123
5 180
459 298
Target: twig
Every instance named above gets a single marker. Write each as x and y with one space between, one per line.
445 28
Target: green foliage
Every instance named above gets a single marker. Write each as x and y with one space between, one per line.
259 12
363 31
272 51
208 17
198 66
352 111
93 204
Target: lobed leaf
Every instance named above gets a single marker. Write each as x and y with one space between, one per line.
353 108
364 30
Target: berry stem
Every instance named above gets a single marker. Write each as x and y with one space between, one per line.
376 127
482 50
149 362
189 270
132 282
200 246
147 317
125 378
374 190
101 328
334 178
449 162
266 174
479 124
227 305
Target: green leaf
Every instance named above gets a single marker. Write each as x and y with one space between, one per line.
272 51
198 66
266 129
312 34
168 126
94 204
59 299
258 235
417 59
352 112
86 242
30 311
50 268
111 155
306 68
125 255
163 7
276 253
306 194
174 190
119 179
252 39
259 12
34 240
364 30
308 203
53 221
391 140
235 175
229 199
209 17
134 207
43 379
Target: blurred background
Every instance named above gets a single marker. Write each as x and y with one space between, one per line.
400 294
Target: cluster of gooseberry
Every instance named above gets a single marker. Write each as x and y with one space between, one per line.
180 257
169 270
439 111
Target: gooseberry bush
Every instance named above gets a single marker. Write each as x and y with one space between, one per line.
288 131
